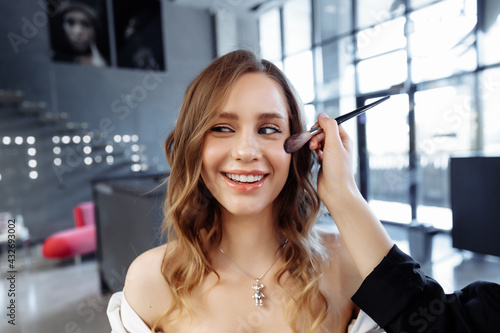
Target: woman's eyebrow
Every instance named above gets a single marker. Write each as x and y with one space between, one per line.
271 115
228 115
265 115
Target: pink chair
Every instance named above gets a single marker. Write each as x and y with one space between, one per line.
76 241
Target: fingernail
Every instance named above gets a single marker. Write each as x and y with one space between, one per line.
323 115
311 144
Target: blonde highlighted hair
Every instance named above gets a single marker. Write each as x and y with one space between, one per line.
193 217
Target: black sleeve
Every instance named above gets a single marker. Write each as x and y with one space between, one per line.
400 298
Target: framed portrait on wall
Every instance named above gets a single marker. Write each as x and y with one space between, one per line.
138 34
79 32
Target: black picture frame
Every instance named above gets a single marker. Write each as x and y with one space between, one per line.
69 13
138 34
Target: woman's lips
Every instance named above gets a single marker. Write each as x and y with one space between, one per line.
243 187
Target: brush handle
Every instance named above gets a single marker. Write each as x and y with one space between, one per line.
296 141
340 119
347 116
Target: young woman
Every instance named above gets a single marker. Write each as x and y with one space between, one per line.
243 252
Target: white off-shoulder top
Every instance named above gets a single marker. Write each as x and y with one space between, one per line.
123 319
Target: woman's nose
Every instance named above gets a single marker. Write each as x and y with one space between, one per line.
246 148
77 29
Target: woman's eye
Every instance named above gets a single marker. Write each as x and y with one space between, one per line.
269 130
69 22
223 129
86 24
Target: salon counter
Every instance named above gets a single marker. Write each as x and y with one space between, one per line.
128 221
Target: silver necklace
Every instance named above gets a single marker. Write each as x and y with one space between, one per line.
257 287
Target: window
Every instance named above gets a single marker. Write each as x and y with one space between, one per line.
445 123
388 148
270 35
376 12
439 61
297 26
333 18
415 4
388 36
299 69
489 92
335 70
442 41
489 33
382 72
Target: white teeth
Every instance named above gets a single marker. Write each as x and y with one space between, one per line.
244 178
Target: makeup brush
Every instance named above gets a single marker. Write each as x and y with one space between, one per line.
298 140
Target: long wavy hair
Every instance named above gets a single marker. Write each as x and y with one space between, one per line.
193 216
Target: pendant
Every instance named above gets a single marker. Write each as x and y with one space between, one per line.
258 295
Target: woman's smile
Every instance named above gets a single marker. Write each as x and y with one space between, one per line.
244 164
244 182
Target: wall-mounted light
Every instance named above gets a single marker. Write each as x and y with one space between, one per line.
32 108
49 118
11 97
66 139
74 127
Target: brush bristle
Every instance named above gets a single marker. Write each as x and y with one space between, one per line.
297 141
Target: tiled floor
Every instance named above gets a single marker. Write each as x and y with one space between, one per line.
55 297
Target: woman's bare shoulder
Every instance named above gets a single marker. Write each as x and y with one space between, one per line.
330 238
340 262
146 289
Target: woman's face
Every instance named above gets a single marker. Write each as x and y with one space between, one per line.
244 164
79 30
